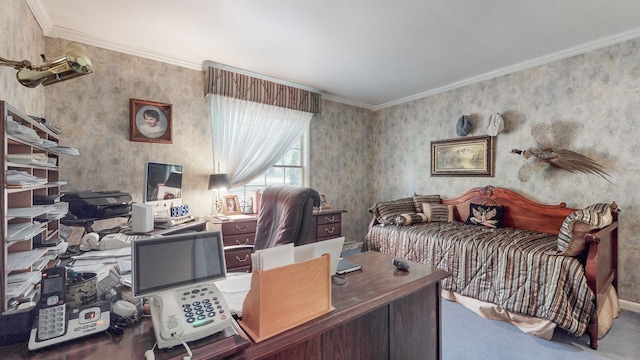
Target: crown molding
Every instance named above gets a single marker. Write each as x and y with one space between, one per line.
543 60
60 32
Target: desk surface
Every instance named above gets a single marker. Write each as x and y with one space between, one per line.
377 284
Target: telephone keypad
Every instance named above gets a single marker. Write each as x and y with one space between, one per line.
200 306
51 322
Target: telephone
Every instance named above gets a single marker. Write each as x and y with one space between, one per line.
188 314
92 241
55 323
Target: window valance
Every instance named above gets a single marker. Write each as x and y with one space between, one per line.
244 87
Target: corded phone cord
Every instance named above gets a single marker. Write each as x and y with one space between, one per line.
186 347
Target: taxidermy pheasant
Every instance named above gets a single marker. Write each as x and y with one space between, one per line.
543 154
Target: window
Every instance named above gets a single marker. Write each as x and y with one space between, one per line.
289 170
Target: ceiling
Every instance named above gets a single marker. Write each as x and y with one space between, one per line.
367 53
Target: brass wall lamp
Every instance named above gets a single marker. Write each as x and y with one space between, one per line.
75 63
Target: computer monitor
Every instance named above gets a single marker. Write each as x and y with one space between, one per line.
162 187
173 261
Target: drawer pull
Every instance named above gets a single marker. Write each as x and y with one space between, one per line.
330 231
330 218
246 227
246 241
246 257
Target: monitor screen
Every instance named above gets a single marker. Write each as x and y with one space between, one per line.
174 261
163 186
162 181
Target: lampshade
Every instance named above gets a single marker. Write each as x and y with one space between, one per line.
218 181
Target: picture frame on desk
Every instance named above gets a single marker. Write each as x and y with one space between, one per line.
231 205
324 204
150 121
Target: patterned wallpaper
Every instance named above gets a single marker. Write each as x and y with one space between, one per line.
592 102
358 157
20 39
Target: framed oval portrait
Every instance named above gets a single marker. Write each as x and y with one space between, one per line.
150 121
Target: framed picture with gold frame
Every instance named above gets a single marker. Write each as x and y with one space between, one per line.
231 205
471 156
324 204
150 121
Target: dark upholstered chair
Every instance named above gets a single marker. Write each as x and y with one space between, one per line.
285 216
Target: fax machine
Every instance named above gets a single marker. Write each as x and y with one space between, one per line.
97 204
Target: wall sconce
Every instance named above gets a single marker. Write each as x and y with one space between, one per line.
218 183
75 63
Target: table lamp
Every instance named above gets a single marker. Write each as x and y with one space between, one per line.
218 183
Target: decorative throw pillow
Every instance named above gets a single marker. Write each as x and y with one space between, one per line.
595 216
485 215
438 212
408 219
418 200
387 211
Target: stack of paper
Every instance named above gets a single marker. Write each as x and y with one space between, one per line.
22 178
234 289
23 231
22 260
39 159
98 261
273 257
21 283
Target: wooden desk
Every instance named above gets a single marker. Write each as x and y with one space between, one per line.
381 313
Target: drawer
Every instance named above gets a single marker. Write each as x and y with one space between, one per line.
239 227
328 219
328 231
235 240
236 258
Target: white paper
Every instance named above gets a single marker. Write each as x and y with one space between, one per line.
23 260
274 257
234 289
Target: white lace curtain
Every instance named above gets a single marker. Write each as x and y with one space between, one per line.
250 137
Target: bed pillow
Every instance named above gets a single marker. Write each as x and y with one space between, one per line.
413 218
571 235
418 200
438 212
387 211
485 215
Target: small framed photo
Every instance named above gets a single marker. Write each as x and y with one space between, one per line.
323 202
231 205
150 121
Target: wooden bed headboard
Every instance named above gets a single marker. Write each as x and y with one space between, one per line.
519 211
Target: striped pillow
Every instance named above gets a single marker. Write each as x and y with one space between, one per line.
408 219
418 200
387 211
596 215
438 212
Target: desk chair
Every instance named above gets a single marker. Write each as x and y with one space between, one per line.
285 216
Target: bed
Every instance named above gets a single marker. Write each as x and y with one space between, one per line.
535 267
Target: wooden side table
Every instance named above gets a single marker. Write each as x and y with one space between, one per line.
327 224
238 236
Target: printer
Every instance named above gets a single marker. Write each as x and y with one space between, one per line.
97 204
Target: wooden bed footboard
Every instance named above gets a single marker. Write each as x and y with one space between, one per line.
601 268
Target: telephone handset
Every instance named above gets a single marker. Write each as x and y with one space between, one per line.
188 314
55 323
172 322
52 316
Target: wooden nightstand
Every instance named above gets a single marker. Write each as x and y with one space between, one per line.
327 224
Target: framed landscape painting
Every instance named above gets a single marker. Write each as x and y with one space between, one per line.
471 156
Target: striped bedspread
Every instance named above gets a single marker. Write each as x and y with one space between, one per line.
512 268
